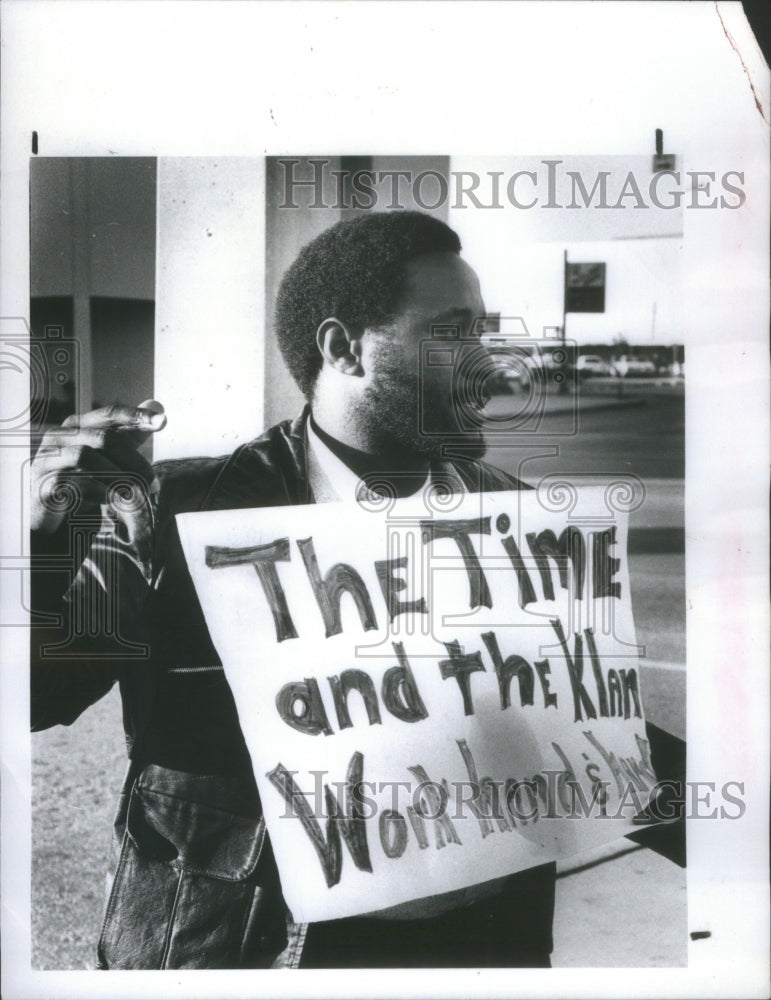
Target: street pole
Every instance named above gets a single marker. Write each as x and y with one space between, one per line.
564 295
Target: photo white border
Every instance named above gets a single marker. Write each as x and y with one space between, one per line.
169 77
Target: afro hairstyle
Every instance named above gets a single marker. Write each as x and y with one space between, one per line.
355 271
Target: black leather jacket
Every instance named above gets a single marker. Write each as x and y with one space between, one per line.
193 879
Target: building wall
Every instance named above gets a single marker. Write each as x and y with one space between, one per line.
92 236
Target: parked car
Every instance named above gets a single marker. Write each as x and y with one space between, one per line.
633 368
592 364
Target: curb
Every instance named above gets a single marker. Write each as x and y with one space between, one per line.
598 856
586 406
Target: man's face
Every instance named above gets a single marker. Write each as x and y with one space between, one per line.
413 398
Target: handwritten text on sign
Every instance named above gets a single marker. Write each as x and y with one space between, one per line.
431 699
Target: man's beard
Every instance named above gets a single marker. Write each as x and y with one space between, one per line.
401 415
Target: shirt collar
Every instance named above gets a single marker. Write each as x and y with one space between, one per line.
331 479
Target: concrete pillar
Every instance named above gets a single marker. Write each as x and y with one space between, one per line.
210 303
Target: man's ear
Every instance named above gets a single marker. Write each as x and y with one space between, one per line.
340 346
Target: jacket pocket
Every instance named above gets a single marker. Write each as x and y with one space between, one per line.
195 885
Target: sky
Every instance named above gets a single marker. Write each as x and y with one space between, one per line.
519 249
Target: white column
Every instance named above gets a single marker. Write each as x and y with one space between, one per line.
210 298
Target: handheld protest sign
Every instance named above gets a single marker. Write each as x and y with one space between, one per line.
431 699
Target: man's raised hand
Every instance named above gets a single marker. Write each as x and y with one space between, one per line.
80 464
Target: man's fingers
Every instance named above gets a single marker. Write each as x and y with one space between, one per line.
116 444
97 438
156 417
108 457
92 458
58 448
121 418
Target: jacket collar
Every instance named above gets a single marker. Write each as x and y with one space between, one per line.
282 451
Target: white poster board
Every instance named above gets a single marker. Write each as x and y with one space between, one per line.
457 684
